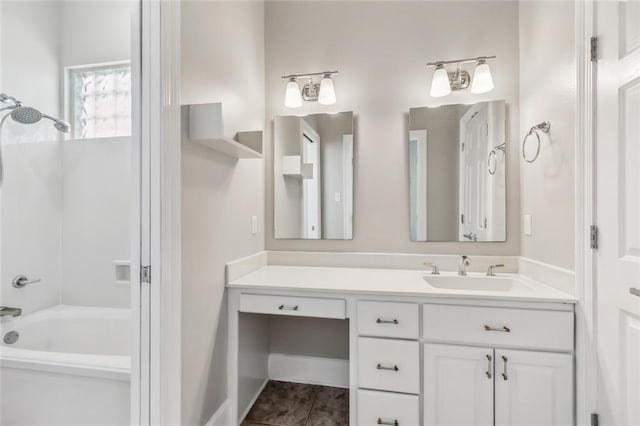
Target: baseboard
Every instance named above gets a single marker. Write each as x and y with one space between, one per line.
554 276
307 369
222 416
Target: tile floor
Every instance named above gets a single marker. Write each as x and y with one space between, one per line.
297 404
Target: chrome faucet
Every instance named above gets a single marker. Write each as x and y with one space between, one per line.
6 311
491 271
462 265
434 268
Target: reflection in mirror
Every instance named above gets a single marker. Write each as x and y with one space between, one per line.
457 159
313 176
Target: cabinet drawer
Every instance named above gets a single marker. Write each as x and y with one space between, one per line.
391 365
388 319
384 408
499 327
295 306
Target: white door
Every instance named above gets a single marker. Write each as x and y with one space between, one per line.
474 134
311 188
458 385
533 388
618 212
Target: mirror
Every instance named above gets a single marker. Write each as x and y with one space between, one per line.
457 158
313 176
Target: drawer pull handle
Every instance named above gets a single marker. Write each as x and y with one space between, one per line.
504 371
383 321
288 308
383 367
387 422
488 373
503 329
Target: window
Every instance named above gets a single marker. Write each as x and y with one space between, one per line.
100 101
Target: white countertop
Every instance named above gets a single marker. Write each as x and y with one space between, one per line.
398 282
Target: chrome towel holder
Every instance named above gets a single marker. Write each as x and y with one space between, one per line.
544 127
492 160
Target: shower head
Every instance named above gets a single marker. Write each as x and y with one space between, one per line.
28 115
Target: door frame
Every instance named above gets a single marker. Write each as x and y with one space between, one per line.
160 361
585 213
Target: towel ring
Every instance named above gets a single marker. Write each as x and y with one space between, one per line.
545 126
493 155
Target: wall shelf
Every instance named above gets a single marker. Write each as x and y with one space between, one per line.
206 128
292 166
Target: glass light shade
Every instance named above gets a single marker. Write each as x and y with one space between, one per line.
482 79
292 97
440 83
327 94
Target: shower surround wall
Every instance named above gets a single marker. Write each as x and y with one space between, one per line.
65 207
65 219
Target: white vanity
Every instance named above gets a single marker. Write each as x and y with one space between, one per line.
462 350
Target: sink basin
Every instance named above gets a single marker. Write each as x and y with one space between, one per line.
477 283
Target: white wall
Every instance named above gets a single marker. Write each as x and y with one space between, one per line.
31 216
95 31
222 61
96 206
30 59
548 93
380 49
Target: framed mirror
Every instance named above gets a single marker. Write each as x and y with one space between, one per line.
313 176
457 179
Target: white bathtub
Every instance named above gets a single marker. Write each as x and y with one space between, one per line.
71 365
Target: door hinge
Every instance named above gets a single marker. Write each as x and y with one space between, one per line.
462 218
595 420
593 232
594 49
145 274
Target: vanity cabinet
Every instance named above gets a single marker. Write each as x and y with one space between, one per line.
465 384
458 385
538 388
414 359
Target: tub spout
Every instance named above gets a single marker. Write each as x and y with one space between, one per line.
6 311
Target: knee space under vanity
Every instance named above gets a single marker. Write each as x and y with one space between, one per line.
292 370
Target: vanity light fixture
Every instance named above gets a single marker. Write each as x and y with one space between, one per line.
482 79
292 98
323 92
443 81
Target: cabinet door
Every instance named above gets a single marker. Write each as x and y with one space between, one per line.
533 388
458 385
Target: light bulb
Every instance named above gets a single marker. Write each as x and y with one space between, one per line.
327 94
440 82
292 97
482 79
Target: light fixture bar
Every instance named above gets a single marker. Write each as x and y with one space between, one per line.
459 61
309 75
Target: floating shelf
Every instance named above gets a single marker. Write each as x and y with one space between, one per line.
206 128
292 166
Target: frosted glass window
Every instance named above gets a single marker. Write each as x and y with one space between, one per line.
101 101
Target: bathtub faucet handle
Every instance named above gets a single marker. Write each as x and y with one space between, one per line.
6 311
21 281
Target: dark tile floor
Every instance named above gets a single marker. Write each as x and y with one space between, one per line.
298 404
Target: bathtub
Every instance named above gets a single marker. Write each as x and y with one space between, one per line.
71 365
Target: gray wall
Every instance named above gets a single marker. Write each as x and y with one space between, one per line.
443 128
548 93
222 61
331 129
380 49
